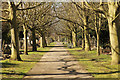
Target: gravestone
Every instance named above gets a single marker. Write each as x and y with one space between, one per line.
94 42
70 45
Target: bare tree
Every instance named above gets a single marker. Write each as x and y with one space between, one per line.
112 15
12 10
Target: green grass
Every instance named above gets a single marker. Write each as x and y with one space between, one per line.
17 69
98 66
52 44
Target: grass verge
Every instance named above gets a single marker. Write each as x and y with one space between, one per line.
17 69
97 66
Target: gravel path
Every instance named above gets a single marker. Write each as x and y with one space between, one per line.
57 64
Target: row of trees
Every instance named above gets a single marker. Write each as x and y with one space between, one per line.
95 16
33 17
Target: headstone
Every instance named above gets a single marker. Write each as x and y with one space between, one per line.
7 50
94 43
70 45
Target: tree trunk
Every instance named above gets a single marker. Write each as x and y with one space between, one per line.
48 41
14 35
83 40
67 40
86 34
98 44
114 31
25 41
74 38
42 41
70 37
3 44
97 29
87 42
45 43
34 40
58 38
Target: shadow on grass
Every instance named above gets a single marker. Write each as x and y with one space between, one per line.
51 61
55 51
96 60
74 72
12 73
7 65
30 61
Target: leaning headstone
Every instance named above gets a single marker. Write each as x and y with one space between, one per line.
7 50
70 45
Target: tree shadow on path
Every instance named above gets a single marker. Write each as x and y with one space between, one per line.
71 72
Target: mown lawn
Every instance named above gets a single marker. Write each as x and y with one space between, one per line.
97 66
17 69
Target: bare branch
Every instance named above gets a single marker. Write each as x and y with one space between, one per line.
80 16
46 23
33 6
116 17
78 6
4 19
98 10
65 19
53 23
4 10
19 4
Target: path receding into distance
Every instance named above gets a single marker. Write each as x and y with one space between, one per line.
57 64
